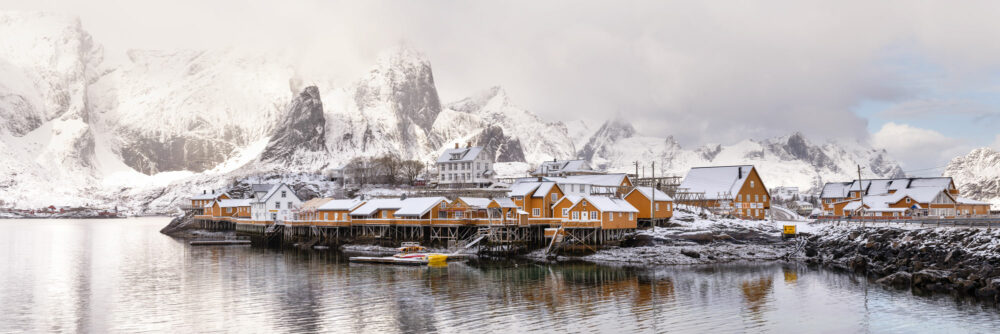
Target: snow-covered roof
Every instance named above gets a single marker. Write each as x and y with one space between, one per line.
716 181
879 202
543 189
649 191
523 188
232 203
464 154
573 199
418 206
505 202
476 202
835 190
341 205
314 204
608 204
562 166
884 186
887 210
374 205
965 200
600 180
205 196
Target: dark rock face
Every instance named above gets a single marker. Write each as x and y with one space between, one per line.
405 82
500 146
922 260
303 128
151 156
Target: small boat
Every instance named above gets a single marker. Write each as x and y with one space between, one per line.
409 253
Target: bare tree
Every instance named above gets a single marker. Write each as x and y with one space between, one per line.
411 170
388 168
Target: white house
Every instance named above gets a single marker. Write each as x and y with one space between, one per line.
273 202
465 167
564 168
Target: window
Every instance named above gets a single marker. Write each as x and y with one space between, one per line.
536 212
593 214
478 166
443 205
277 205
751 183
631 216
611 216
282 194
907 200
657 206
565 212
459 214
442 214
739 198
576 215
756 198
274 216
289 205
385 214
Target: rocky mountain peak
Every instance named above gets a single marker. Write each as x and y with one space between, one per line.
302 129
402 82
977 174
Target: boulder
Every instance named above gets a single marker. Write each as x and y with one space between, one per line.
899 279
691 253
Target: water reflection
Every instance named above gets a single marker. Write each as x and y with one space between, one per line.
122 276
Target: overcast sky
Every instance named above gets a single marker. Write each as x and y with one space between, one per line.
920 79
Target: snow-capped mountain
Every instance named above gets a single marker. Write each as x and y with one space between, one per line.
145 133
782 161
977 174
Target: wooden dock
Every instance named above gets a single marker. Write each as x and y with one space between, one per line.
220 242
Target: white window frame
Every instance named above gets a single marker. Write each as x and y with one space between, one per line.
576 215
565 212
554 197
536 212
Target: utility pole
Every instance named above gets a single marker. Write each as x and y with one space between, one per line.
636 163
861 192
652 201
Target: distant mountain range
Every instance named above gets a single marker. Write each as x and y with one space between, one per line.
144 134
977 175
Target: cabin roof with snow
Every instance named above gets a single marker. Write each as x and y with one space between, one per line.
835 190
341 205
374 205
716 181
418 206
607 204
209 195
505 202
314 204
523 188
969 201
464 154
648 192
476 202
233 203
543 189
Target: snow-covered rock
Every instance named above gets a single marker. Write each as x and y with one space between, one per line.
977 174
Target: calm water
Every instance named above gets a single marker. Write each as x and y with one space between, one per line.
122 276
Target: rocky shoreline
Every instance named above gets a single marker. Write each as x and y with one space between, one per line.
963 261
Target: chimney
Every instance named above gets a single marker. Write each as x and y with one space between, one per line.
468 144
456 145
204 192
213 191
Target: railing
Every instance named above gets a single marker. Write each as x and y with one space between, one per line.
987 222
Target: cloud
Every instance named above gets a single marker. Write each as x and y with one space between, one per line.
996 143
919 150
701 71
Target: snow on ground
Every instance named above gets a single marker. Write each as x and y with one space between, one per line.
511 169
